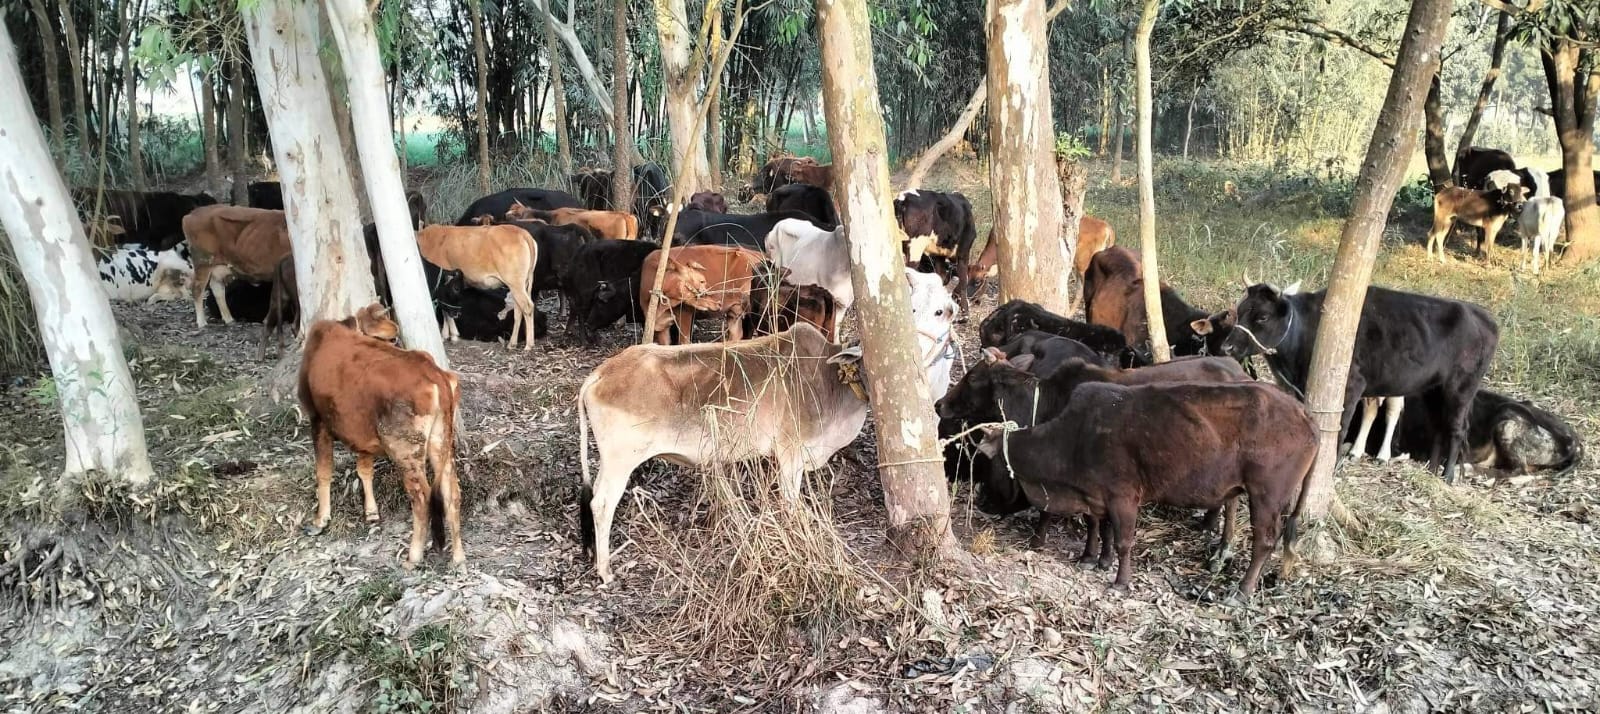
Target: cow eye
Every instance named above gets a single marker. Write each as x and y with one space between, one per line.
1261 319
938 313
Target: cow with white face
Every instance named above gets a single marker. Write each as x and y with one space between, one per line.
933 314
135 273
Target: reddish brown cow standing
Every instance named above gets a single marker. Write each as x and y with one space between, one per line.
705 278
808 171
615 225
489 258
228 241
1094 235
381 400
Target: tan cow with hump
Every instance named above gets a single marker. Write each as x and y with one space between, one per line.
489 257
228 241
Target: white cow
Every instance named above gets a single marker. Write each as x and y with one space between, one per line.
135 273
1540 223
814 257
933 313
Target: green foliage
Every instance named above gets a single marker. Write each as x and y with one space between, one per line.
1415 196
423 672
1557 20
1070 148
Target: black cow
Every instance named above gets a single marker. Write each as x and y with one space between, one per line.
948 218
1049 351
594 188
1475 163
732 229
444 289
249 302
602 284
486 317
153 219
496 204
650 194
1019 316
1558 183
1406 344
1504 434
265 194
558 247
811 200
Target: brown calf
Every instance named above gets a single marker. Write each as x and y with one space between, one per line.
227 241
807 170
605 224
704 278
381 400
1486 210
489 257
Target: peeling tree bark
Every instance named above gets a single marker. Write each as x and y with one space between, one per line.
682 75
622 148
909 460
580 58
102 427
1394 140
1033 263
1148 252
330 256
358 46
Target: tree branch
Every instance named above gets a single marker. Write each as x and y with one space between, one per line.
1315 28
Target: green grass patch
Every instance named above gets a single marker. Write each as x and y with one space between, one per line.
422 672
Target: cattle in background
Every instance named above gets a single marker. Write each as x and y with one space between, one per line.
134 273
1406 344
283 307
489 257
1540 224
732 229
1486 210
933 315
593 187
771 176
1190 445
1475 163
808 171
708 279
247 301
265 194
708 201
496 204
1558 182
1113 296
604 224
1094 235
813 256
941 232
381 400
1019 316
153 219
602 285
650 194
444 290
232 242
794 397
1049 352
558 245
811 200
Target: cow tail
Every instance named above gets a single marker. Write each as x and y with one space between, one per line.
1560 430
445 418
586 531
1291 526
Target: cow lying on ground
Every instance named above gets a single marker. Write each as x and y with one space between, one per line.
231 241
1115 448
1019 316
489 257
152 219
602 285
793 397
496 204
814 201
933 314
813 256
705 278
1113 296
729 229
1503 434
134 273
381 400
941 232
1486 210
1406 344
604 224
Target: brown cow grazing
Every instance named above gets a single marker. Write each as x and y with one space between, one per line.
705 278
807 170
381 400
708 201
232 241
1486 210
615 225
489 257
793 304
793 397
1189 445
1094 235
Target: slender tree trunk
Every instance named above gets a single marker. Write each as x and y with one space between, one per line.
681 76
1033 264
1433 138
714 158
330 256
580 58
52 74
1393 143
1188 120
102 427
1106 107
353 31
553 58
1148 253
130 88
908 452
480 47
208 130
80 104
1116 152
1573 100
237 130
1497 54
622 167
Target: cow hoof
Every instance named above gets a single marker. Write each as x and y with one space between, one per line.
372 517
1120 587
1216 562
1036 543
409 565
1087 564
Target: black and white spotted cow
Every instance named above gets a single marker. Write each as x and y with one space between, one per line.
134 273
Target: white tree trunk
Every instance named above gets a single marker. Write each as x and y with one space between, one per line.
682 79
580 59
330 258
1159 347
103 429
358 45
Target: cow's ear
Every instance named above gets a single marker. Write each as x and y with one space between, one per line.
1293 289
673 266
847 355
697 266
1023 361
993 354
1201 326
989 445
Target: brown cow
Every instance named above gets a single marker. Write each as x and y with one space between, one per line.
1486 210
489 257
808 171
605 224
227 241
705 278
708 201
1094 235
381 400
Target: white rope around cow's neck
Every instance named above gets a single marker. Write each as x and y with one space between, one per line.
1263 348
941 346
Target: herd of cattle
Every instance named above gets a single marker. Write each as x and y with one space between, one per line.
1490 192
1064 416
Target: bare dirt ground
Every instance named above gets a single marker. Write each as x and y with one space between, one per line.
204 596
